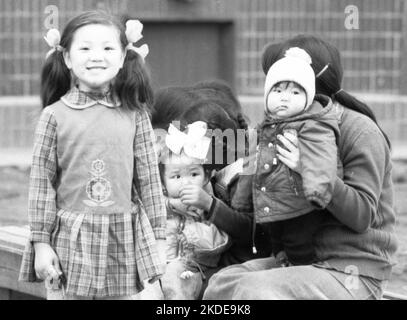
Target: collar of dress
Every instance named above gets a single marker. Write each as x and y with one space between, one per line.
78 99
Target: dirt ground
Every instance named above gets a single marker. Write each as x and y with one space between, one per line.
13 211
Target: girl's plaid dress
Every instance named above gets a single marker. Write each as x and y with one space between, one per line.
95 196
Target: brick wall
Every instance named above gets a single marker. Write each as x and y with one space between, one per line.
372 55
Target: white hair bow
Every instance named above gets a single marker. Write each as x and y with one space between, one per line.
195 143
53 38
133 34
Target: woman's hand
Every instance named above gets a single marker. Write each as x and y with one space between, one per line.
193 195
46 263
177 206
290 156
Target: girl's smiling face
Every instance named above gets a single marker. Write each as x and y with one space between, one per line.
286 99
181 171
95 56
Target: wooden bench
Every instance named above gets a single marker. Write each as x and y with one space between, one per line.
12 243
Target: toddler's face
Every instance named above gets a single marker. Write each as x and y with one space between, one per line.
181 171
95 56
286 99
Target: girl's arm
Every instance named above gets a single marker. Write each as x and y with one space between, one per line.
147 177
42 195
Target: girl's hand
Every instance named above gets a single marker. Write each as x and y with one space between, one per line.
291 155
46 263
194 195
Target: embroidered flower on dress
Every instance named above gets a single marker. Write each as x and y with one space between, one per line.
98 188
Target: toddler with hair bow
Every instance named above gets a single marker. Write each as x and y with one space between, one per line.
193 243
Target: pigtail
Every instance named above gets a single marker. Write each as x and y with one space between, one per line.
55 79
133 84
351 102
242 122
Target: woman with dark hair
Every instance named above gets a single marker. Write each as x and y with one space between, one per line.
355 244
171 102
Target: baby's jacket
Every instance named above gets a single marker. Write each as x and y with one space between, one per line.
278 192
205 242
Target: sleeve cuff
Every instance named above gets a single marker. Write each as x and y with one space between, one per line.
338 186
210 215
40 236
318 201
159 233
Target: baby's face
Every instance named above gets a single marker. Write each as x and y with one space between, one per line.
285 100
181 171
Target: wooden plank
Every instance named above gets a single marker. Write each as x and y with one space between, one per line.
12 242
393 296
9 280
17 241
9 269
5 294
13 238
10 260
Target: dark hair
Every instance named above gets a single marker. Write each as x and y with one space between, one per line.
215 116
171 102
132 83
329 82
210 111
221 92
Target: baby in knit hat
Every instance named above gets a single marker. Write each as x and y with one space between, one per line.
290 204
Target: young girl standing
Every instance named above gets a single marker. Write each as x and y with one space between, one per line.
95 203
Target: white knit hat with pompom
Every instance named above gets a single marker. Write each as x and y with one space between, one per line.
295 67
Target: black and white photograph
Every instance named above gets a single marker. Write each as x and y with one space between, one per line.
213 153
